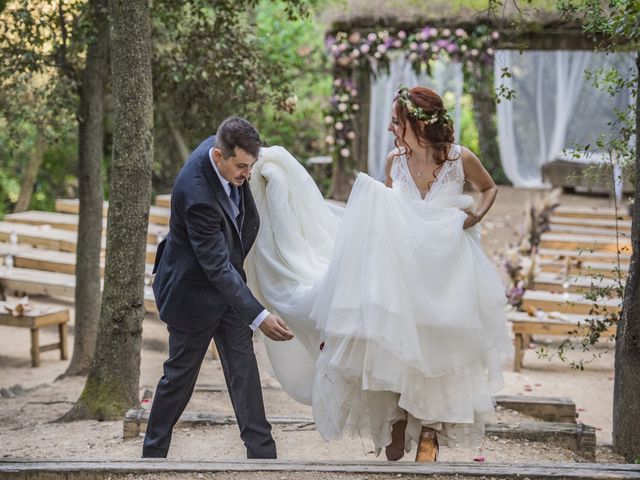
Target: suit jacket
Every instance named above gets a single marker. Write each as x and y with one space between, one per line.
199 265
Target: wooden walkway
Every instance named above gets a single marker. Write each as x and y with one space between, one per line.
263 469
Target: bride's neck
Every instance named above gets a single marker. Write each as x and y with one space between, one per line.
420 154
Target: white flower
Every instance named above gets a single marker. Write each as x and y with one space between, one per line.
402 34
337 82
372 37
354 92
364 48
345 152
433 32
463 48
490 51
351 135
342 107
413 56
344 97
413 46
474 52
446 32
335 48
381 48
355 107
355 53
329 139
377 55
397 43
425 45
328 119
339 125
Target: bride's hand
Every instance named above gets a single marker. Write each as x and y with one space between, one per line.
471 219
275 328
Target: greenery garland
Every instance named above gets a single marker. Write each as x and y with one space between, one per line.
372 51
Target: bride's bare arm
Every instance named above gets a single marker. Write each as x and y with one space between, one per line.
388 181
480 178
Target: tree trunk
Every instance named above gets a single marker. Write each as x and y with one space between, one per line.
626 390
484 115
112 384
31 172
90 153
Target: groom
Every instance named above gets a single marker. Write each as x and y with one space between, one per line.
201 291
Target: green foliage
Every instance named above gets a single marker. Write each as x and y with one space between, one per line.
468 130
297 46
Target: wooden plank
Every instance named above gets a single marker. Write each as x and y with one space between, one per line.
163 200
558 283
578 438
584 242
50 238
53 284
36 317
585 255
69 221
157 215
550 409
72 205
260 469
589 231
591 212
580 268
623 225
565 303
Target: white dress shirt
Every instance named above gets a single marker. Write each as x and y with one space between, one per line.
227 188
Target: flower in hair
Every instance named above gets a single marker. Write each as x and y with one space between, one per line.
403 96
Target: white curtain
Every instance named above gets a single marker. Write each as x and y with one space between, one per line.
446 80
555 107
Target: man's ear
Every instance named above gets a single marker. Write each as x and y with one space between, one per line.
217 155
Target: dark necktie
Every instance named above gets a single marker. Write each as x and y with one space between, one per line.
234 194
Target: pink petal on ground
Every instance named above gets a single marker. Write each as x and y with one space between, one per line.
581 409
479 459
538 384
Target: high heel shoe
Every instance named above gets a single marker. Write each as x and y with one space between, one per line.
428 446
395 450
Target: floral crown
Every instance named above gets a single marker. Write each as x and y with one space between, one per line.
403 96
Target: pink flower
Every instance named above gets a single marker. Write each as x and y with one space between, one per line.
372 37
446 32
354 37
460 32
402 34
413 46
345 152
364 48
381 48
495 35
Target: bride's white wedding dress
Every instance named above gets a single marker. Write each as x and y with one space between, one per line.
406 306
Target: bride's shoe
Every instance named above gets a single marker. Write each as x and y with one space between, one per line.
395 450
428 446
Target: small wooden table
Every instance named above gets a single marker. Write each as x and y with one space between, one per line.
35 319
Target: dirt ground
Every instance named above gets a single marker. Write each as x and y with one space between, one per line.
31 398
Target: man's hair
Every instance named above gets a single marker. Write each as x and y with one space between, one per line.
236 132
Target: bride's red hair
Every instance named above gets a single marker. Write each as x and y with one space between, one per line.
437 135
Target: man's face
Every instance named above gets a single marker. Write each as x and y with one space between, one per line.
235 169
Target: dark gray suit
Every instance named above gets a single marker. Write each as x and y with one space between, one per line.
201 293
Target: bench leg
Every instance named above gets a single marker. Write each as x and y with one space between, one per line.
519 353
35 347
62 331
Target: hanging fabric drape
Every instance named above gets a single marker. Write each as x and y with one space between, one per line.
446 80
555 107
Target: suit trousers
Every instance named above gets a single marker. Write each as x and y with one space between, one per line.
234 340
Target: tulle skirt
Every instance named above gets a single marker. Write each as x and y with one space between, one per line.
408 309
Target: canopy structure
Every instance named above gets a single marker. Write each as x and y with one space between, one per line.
546 59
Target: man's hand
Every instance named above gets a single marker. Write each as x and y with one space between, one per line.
275 328
471 219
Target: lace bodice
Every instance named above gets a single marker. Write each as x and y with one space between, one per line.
449 181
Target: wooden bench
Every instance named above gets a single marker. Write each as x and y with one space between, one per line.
568 303
35 319
606 213
585 242
579 268
558 283
609 223
524 326
157 215
585 255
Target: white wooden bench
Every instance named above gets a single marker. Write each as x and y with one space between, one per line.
524 326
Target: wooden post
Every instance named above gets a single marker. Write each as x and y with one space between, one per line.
519 353
63 332
35 347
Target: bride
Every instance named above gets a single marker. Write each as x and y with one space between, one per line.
398 314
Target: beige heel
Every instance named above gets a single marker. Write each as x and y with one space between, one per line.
428 446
